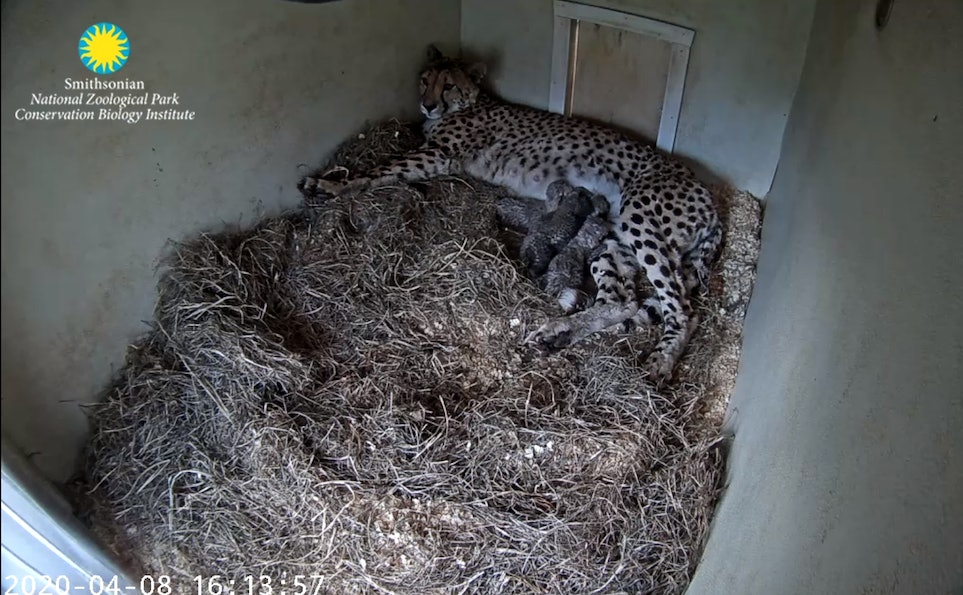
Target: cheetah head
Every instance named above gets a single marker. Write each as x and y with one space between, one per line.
448 85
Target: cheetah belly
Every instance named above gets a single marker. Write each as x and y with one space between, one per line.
492 165
532 178
599 185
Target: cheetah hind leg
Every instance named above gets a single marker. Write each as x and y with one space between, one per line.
650 312
568 330
678 318
614 303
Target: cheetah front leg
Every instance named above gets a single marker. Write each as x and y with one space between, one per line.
420 165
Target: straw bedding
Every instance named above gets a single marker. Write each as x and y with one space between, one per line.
343 394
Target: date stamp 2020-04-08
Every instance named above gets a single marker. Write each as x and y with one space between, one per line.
164 585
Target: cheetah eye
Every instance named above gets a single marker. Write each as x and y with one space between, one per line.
448 87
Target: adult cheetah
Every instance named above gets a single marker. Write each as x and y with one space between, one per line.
663 217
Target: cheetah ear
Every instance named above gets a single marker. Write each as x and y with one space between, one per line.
601 205
555 193
434 54
477 71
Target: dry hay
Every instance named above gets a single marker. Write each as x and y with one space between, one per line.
345 393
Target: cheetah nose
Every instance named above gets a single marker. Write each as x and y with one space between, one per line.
427 108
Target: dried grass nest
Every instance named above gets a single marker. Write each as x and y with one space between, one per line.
344 393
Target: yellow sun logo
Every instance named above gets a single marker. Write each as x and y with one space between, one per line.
104 48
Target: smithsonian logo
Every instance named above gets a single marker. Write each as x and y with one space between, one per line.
104 49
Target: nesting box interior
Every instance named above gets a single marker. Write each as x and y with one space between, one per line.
213 383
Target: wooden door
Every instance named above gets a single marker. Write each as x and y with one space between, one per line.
619 77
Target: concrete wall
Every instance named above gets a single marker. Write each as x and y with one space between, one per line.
744 67
88 206
846 474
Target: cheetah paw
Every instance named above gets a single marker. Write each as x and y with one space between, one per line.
312 187
570 300
658 368
554 334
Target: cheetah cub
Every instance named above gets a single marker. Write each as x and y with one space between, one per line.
559 238
663 218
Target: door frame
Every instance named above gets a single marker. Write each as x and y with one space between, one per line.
567 14
43 544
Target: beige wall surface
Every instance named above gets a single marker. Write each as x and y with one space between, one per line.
846 472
